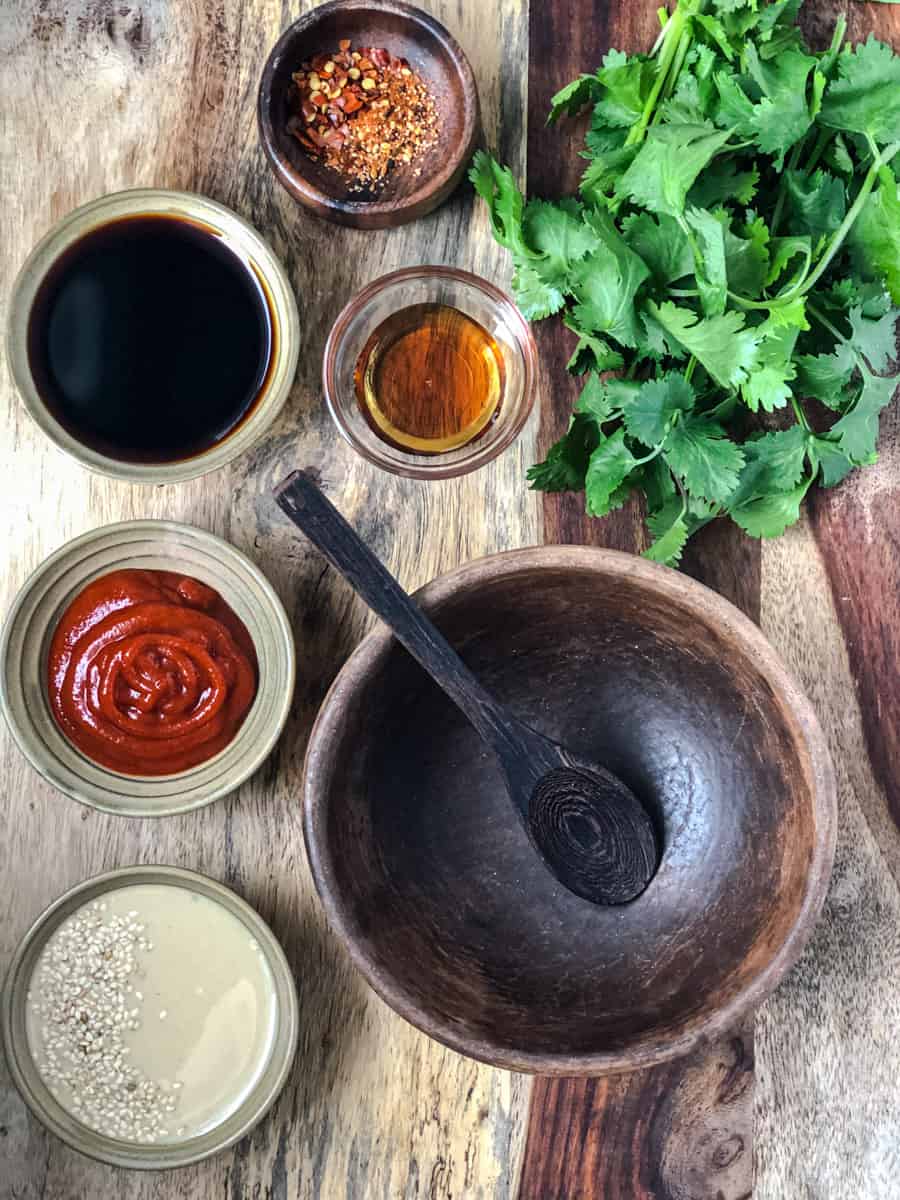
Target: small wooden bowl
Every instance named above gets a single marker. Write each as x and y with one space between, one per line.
430 880
430 50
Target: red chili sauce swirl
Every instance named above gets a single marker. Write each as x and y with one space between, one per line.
150 672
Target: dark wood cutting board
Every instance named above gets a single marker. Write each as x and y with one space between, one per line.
682 1131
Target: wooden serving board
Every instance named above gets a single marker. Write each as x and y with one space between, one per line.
98 95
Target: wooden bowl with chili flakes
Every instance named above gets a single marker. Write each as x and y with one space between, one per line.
368 112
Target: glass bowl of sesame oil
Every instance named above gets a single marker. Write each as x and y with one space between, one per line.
429 372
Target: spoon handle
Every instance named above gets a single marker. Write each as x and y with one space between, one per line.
313 513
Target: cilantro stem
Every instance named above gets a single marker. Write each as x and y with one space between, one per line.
847 224
801 415
639 462
782 186
671 43
823 320
837 240
825 136
690 368
835 332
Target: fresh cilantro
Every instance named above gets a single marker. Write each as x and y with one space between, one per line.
725 348
667 165
670 533
708 245
704 458
817 203
716 314
654 405
875 238
564 468
661 243
865 98
607 470
722 180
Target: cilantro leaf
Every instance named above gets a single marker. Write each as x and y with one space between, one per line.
865 98
747 258
856 433
875 237
721 344
825 377
782 251
831 462
670 533
564 468
592 353
875 339
535 298
558 234
709 260
600 399
573 97
700 453
607 469
667 164
651 410
497 187
783 116
817 204
626 85
661 243
782 454
605 285
721 181
769 516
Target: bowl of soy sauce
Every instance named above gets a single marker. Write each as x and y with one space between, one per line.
153 335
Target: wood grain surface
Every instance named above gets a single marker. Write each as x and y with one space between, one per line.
817 1117
97 95
105 94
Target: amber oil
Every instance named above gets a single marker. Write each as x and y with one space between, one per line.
430 379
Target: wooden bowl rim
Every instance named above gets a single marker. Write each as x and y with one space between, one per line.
434 185
742 633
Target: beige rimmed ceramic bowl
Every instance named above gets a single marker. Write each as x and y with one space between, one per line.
244 241
47 1109
25 642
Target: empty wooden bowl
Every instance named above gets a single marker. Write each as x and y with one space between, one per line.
408 33
429 878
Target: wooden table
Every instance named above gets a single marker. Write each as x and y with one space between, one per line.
104 94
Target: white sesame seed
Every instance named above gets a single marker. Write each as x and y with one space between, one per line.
77 993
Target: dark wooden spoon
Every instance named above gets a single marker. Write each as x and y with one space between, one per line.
593 833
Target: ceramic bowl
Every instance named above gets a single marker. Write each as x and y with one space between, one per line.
253 251
41 1100
25 642
430 880
430 50
475 297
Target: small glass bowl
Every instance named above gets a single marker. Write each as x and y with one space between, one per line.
430 285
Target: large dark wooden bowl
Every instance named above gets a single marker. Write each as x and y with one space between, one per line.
431 51
430 880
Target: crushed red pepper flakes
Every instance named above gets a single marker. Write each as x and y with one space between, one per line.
363 113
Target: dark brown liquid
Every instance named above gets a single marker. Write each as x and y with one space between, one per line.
430 379
149 340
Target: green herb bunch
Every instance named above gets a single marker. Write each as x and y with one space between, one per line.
734 250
